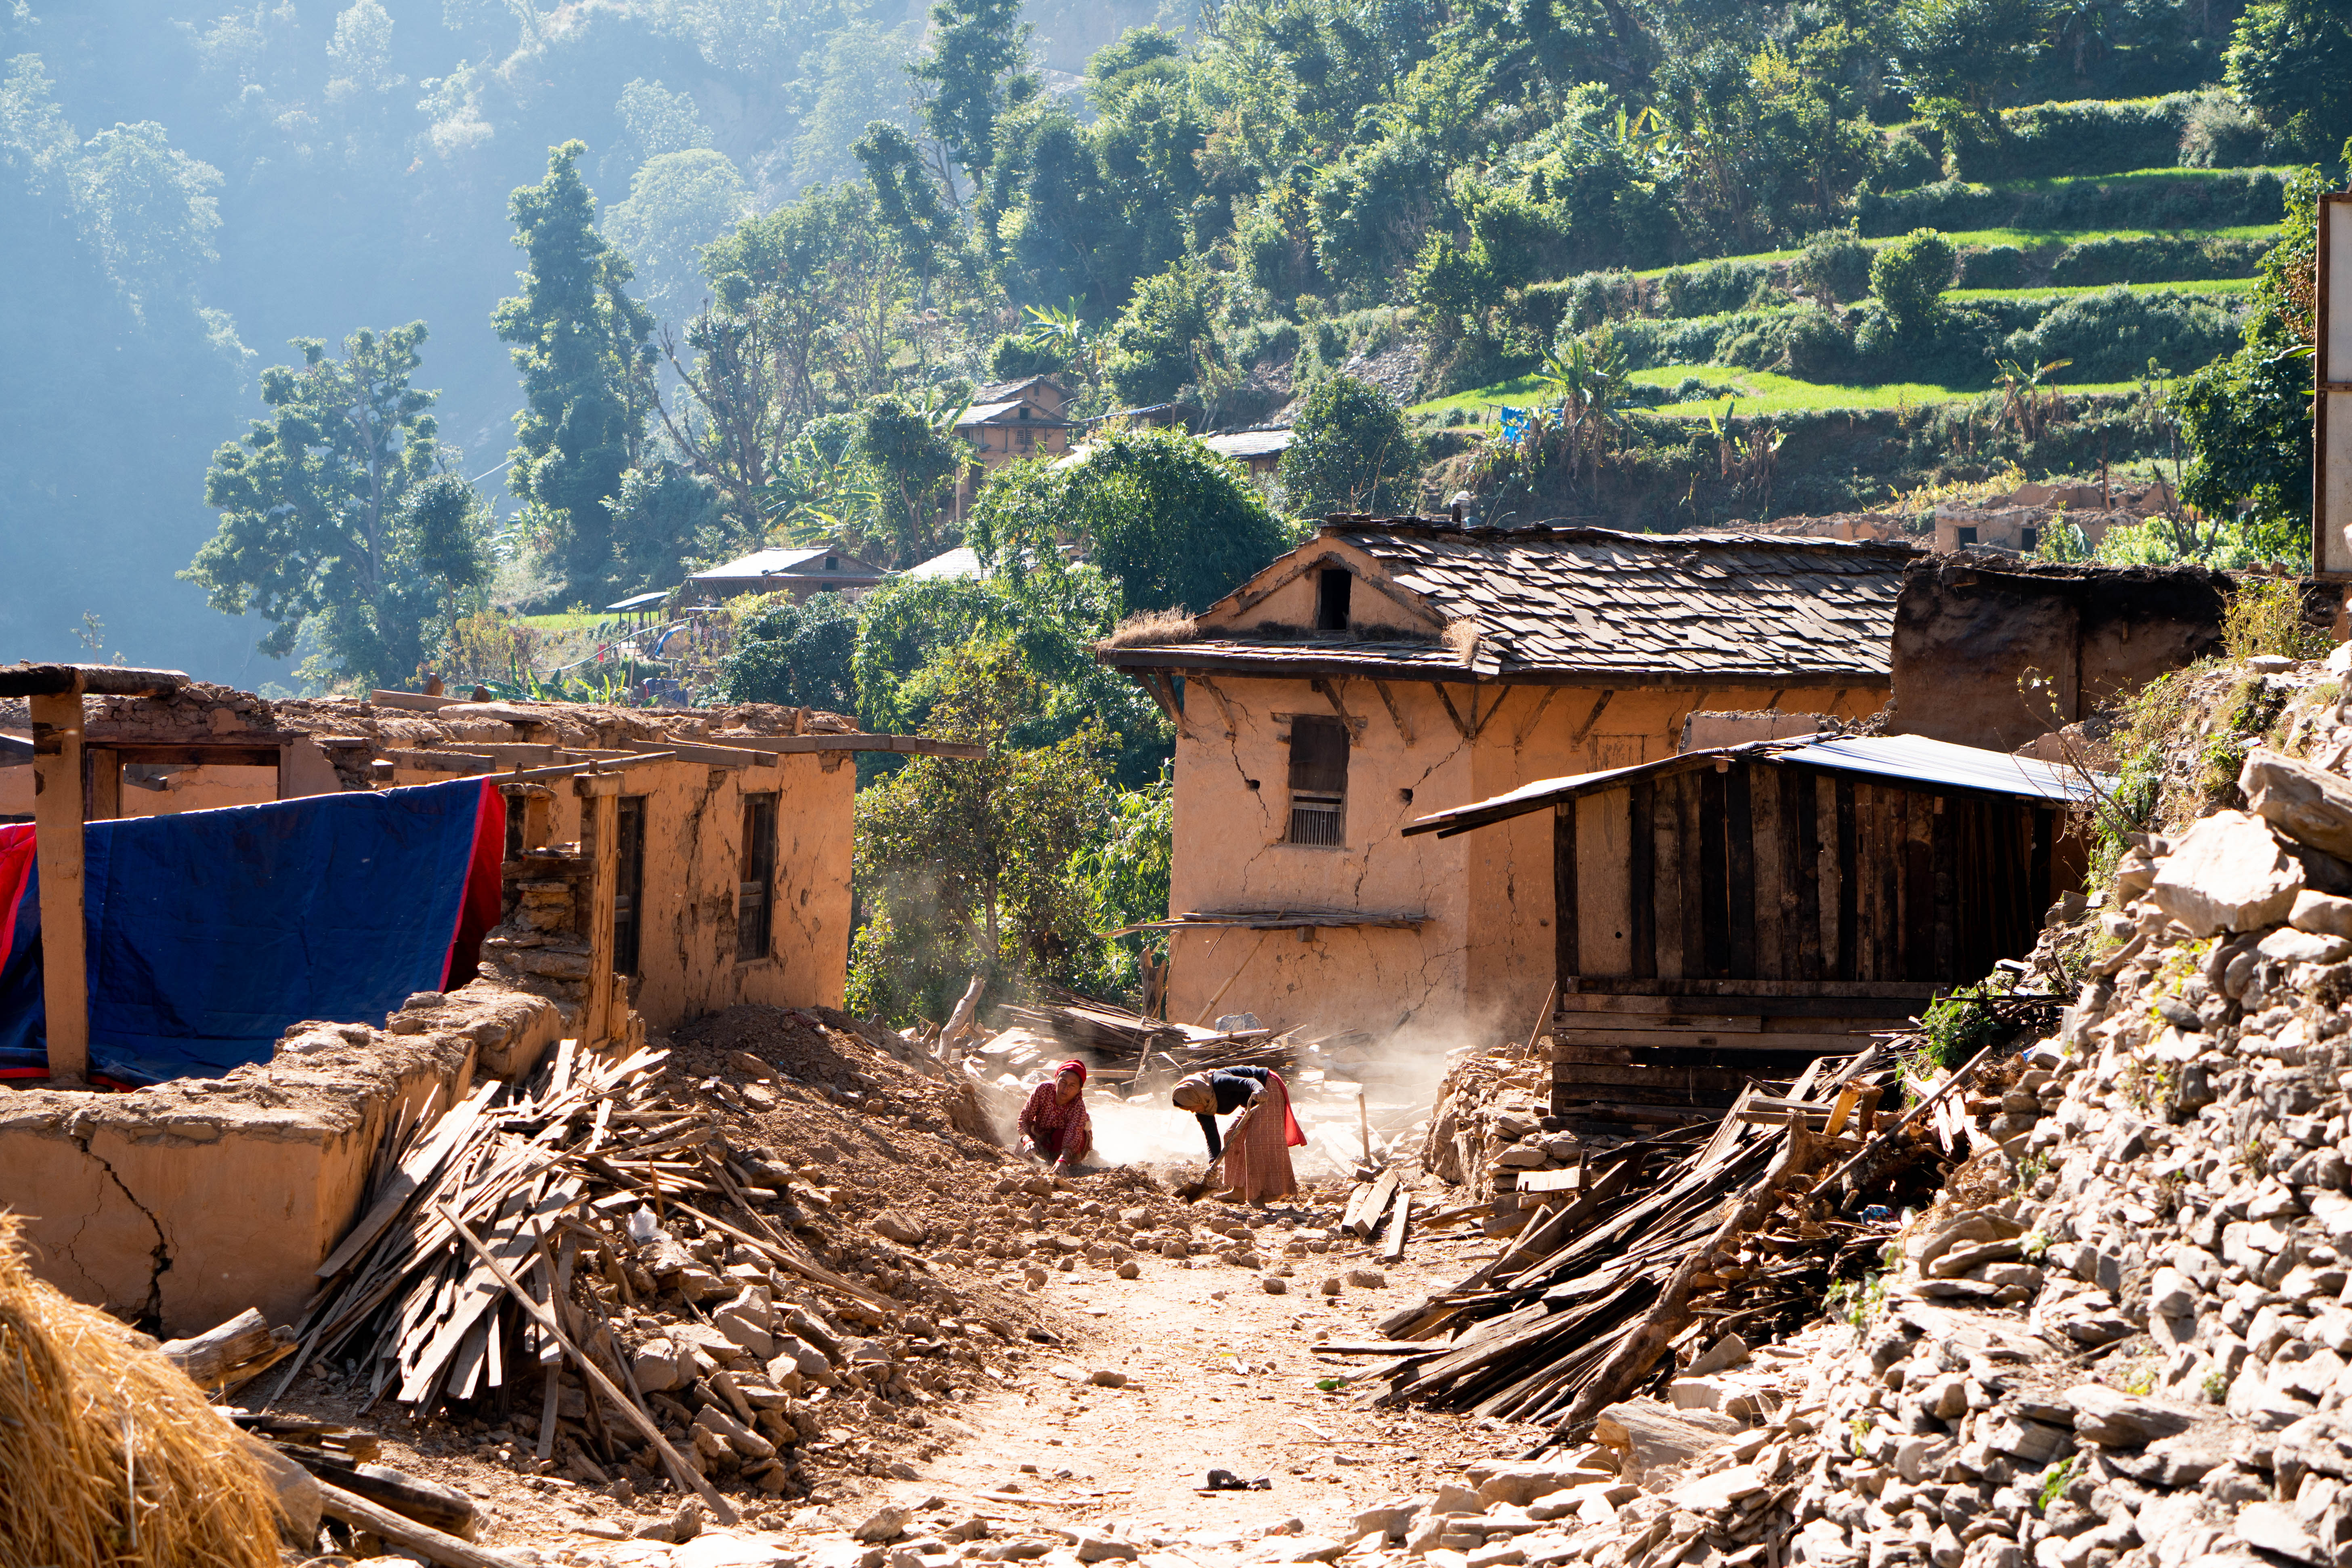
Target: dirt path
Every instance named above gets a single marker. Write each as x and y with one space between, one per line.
1220 1374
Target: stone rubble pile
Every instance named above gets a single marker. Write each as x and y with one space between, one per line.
1492 1124
2122 1338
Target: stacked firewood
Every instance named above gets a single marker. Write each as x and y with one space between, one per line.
1664 1247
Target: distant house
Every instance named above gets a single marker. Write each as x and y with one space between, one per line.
1013 420
800 571
1391 667
963 561
1259 451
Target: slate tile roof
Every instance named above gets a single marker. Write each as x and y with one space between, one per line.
1562 601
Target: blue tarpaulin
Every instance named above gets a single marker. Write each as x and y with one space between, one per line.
210 932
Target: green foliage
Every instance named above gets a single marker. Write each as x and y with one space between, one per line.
1958 1024
2265 617
801 655
1157 345
1971 51
1169 522
1717 288
1910 278
1126 871
975 74
1349 451
2090 136
2110 335
2054 1484
1834 266
2155 258
2247 418
679 203
2291 60
970 867
1994 266
338 522
2159 199
916 453
581 344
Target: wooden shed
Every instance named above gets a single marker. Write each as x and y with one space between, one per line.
1724 916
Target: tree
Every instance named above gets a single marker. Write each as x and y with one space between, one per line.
967 867
974 73
2292 60
678 204
1171 523
1974 50
2247 418
918 455
1909 277
863 79
583 346
338 523
801 655
1349 451
1155 344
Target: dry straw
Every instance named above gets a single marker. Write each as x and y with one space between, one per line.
109 1458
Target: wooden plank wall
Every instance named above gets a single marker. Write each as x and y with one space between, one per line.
1777 874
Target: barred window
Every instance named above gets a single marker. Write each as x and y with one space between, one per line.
1318 781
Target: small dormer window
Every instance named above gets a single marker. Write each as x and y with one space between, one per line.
832 563
1022 412
1331 590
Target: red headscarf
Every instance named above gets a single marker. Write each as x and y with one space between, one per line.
1058 1130
1076 1065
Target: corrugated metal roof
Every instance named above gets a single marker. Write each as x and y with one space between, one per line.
1915 759
1912 759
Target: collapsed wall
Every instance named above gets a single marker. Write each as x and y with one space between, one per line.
180 1206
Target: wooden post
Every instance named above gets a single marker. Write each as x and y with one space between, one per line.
57 834
599 819
104 767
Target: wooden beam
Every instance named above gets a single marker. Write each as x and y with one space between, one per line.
1528 730
1163 691
1478 724
103 769
1217 696
1465 730
713 756
58 835
1395 712
1347 721
30 679
600 825
1600 706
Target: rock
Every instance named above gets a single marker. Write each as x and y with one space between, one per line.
1648 1436
727 1549
892 1225
795 1354
2306 803
1726 1351
748 1321
2322 914
885 1523
1367 1278
1131 1270
1103 1377
1095 1546
294 1489
660 1366
2113 1419
1707 1494
1451 1499
1391 1519
1275 1285
1520 1485
2292 946
1305 1549
2035 1442
2229 873
2271 1527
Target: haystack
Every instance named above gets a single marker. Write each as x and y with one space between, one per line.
109 1458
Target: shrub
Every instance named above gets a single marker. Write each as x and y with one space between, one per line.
2184 198
1014 358
1905 160
1598 297
2265 617
1348 451
1993 267
2113 335
2219 132
1834 266
1715 288
1910 278
2155 258
2089 136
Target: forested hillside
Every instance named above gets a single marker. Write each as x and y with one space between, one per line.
769 248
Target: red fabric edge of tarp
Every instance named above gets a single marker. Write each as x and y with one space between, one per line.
16 877
1292 1133
478 910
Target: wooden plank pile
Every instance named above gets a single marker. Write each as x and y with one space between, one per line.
1669 1243
459 1278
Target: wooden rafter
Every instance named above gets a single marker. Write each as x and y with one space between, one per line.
1592 718
1395 712
1223 708
1467 733
1330 690
1528 729
1162 692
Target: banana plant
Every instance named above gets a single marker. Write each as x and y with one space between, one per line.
2029 400
1060 331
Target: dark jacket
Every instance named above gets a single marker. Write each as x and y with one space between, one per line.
1233 1086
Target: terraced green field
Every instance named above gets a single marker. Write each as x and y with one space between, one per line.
2061 291
1755 391
2023 238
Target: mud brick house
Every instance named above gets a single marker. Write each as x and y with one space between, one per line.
1391 667
605 871
1729 914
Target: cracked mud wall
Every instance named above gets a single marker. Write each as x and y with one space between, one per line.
180 1206
1485 956
693 847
